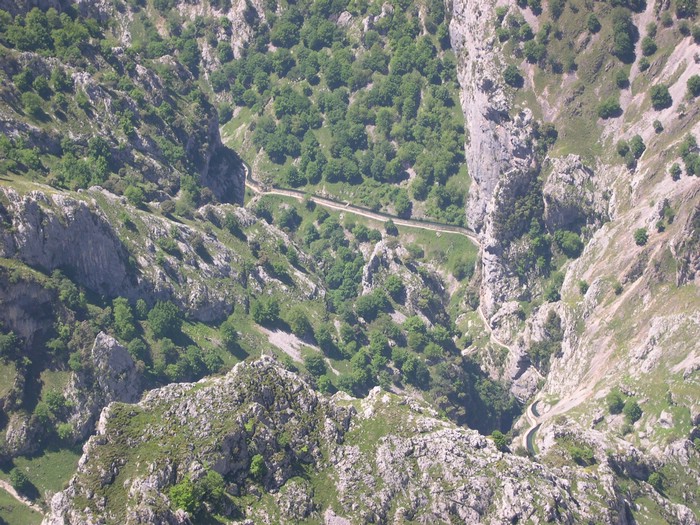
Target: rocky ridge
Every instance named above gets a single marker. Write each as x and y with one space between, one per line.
385 457
115 259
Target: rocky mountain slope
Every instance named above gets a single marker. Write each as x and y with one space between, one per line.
624 316
141 281
342 460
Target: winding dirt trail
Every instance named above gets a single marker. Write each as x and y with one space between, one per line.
533 417
358 210
24 501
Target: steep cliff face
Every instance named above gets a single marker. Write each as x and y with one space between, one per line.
627 306
382 458
112 376
500 155
51 230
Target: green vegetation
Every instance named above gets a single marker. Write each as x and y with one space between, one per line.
499 440
632 411
353 111
610 108
660 97
641 236
615 402
694 86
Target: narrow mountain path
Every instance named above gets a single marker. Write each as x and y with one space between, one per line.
532 415
358 210
24 501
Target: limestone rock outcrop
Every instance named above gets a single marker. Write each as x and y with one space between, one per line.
381 459
112 376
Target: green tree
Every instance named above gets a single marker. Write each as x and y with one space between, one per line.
299 322
183 496
592 23
395 287
637 147
656 481
649 47
315 364
265 311
569 243
615 402
9 346
660 97
19 481
124 323
228 333
610 108
258 469
686 8
632 411
499 439
694 86
512 76
31 102
164 319
641 236
134 195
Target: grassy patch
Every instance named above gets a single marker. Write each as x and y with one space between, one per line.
13 512
51 471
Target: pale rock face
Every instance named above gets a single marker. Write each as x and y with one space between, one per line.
497 144
51 231
685 248
113 377
571 195
422 469
55 231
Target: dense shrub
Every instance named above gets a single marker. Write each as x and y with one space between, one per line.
641 236
632 411
265 311
512 76
164 319
694 86
615 402
610 108
660 97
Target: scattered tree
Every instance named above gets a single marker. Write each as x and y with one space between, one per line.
660 97
641 236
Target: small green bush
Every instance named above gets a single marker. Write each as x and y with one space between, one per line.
660 97
641 236
512 76
499 439
592 23
637 146
183 496
632 411
622 79
610 108
694 86
617 287
258 469
649 47
583 287
656 481
615 402
164 319
675 171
